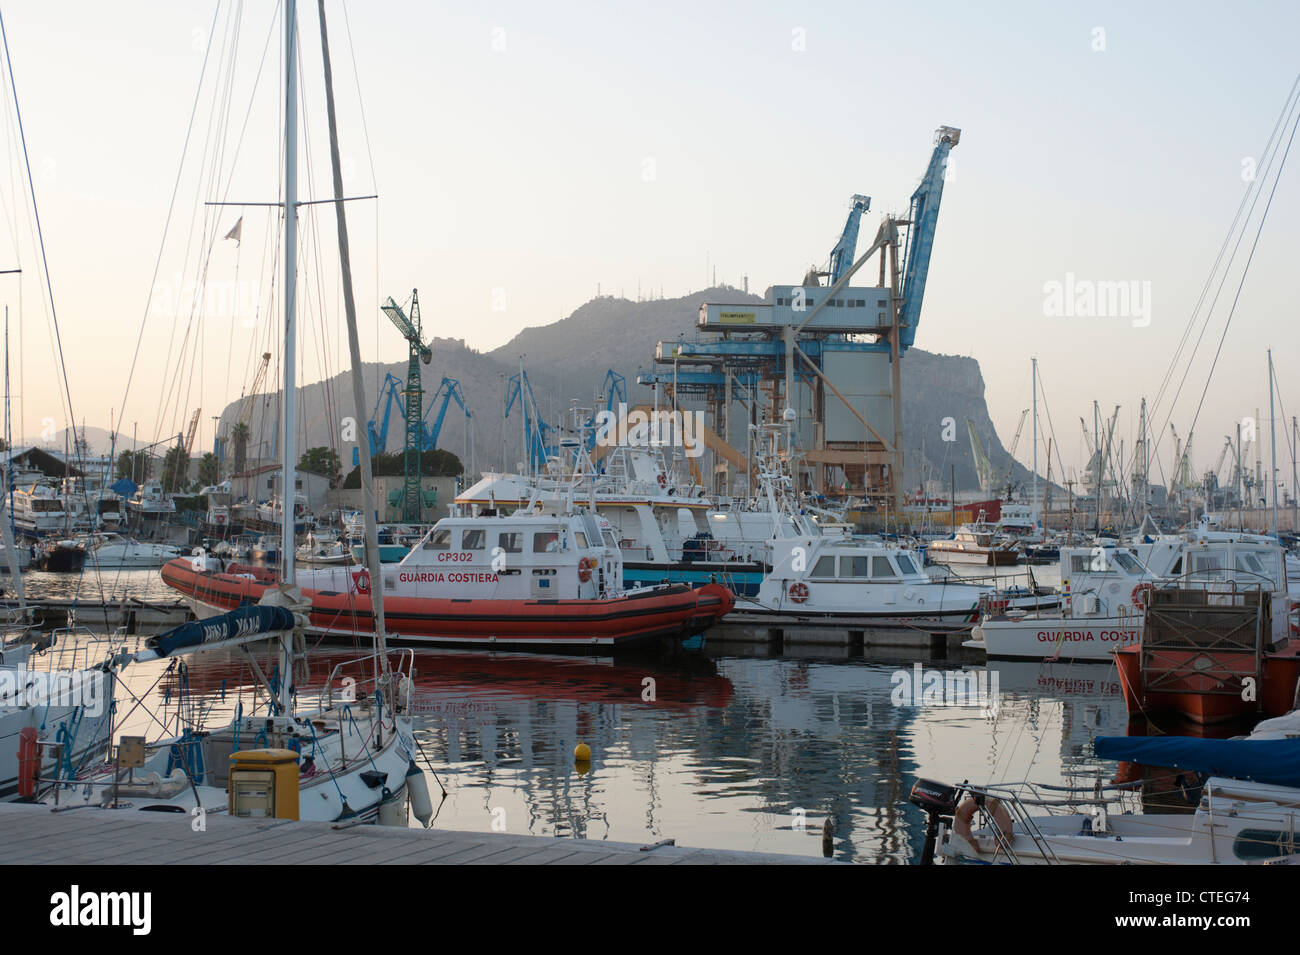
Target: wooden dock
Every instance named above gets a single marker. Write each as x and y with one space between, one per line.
36 835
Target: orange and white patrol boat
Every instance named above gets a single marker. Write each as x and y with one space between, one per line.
529 579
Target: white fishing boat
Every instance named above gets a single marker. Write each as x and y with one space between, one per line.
821 573
1102 592
1105 592
976 543
150 502
108 550
323 550
38 510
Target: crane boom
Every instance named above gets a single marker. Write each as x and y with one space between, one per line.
1015 443
922 218
191 431
983 469
846 247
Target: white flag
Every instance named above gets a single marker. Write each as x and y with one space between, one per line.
234 233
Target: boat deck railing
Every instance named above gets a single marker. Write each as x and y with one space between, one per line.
342 687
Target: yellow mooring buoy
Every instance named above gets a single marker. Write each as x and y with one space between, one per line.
582 753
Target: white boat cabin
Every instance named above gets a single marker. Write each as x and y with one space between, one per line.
842 574
521 556
1102 581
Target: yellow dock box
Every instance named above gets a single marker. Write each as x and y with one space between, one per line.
263 784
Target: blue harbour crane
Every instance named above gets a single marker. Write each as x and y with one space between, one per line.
824 353
537 434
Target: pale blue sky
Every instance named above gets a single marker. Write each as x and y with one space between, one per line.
523 169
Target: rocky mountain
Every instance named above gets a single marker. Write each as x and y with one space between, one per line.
566 361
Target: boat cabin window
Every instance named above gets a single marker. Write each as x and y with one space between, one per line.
881 569
1128 563
905 564
1208 566
1261 564
854 566
512 543
1262 844
1082 564
473 539
825 567
581 538
609 539
546 542
439 540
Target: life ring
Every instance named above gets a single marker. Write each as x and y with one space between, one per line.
585 567
798 592
663 480
362 580
1139 596
993 809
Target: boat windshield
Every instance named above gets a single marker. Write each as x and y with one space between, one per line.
1130 564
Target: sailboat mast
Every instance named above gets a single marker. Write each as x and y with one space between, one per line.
354 348
1272 434
1034 376
287 417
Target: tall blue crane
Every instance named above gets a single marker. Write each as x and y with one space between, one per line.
536 431
613 391
391 395
842 254
922 217
449 390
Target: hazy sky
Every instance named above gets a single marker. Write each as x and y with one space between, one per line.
524 153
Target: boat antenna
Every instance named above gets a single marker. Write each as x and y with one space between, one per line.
354 348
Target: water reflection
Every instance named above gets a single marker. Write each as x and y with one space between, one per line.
735 751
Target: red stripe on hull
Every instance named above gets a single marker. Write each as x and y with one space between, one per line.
674 610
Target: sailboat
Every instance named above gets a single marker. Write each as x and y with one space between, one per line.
352 757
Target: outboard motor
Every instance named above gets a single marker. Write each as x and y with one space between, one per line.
938 802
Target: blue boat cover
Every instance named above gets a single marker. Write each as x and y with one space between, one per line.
249 621
1275 761
125 487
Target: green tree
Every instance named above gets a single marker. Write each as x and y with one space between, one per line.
209 469
324 461
175 469
436 463
133 465
240 434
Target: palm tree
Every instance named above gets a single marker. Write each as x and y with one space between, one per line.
209 470
240 434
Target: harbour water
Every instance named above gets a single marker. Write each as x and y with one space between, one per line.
729 749
733 750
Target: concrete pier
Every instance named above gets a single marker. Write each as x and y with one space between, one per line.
37 835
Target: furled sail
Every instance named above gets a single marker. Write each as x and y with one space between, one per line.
1274 761
241 625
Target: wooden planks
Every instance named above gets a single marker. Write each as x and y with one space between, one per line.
35 835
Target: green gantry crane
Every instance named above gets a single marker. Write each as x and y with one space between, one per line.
419 352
